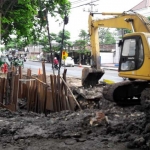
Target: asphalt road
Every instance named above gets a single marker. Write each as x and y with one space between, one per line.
71 71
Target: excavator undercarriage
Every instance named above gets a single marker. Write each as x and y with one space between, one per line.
124 91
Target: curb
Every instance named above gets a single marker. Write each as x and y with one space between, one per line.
105 68
109 68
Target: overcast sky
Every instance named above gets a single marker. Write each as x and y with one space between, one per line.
78 19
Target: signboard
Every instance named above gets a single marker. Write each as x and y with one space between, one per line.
64 55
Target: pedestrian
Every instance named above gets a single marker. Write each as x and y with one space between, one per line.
55 61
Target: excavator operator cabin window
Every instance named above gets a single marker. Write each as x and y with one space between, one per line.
141 54
128 54
129 47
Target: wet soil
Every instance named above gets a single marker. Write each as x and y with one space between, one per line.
125 128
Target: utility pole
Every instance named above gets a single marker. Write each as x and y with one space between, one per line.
92 7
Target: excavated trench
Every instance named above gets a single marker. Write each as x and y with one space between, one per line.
103 127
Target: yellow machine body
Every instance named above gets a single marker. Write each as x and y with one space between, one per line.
132 21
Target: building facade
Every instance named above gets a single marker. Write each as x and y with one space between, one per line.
142 8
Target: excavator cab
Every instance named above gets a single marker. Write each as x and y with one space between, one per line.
134 59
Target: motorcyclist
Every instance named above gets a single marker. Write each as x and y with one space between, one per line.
55 61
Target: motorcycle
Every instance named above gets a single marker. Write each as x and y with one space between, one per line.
17 62
55 66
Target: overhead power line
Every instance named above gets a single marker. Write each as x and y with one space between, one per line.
84 4
78 1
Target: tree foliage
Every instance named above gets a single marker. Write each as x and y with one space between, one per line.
66 42
82 42
105 36
56 41
15 43
20 17
121 32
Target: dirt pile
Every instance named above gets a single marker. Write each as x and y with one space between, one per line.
109 127
127 127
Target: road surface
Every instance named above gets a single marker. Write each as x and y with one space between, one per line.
71 71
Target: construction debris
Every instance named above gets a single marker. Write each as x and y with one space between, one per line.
45 117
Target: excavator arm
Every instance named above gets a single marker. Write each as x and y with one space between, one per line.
133 21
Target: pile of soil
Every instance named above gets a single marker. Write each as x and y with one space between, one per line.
125 128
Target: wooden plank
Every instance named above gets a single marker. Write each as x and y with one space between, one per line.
12 87
63 99
24 90
52 88
2 87
44 72
56 94
28 73
72 103
14 69
59 93
45 98
64 77
28 96
8 84
32 91
40 94
66 91
36 98
16 90
71 94
28 89
20 84
49 101
61 96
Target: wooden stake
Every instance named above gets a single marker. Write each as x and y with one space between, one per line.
71 93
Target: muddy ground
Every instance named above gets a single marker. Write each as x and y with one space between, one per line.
116 128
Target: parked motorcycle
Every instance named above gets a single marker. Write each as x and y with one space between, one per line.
17 62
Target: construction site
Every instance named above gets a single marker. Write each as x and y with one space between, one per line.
56 112
51 111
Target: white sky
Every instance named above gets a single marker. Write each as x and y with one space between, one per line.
78 19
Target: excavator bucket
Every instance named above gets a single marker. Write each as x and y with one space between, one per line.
91 76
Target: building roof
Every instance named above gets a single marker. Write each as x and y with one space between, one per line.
141 5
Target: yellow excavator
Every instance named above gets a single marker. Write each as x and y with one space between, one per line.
134 61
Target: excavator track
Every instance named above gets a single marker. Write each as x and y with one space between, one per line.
124 91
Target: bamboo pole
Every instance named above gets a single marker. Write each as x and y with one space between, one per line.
71 93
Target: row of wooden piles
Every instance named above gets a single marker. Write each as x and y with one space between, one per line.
40 93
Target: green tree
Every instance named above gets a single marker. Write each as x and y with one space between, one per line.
84 35
15 43
82 43
66 42
121 32
18 16
44 41
55 38
105 36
